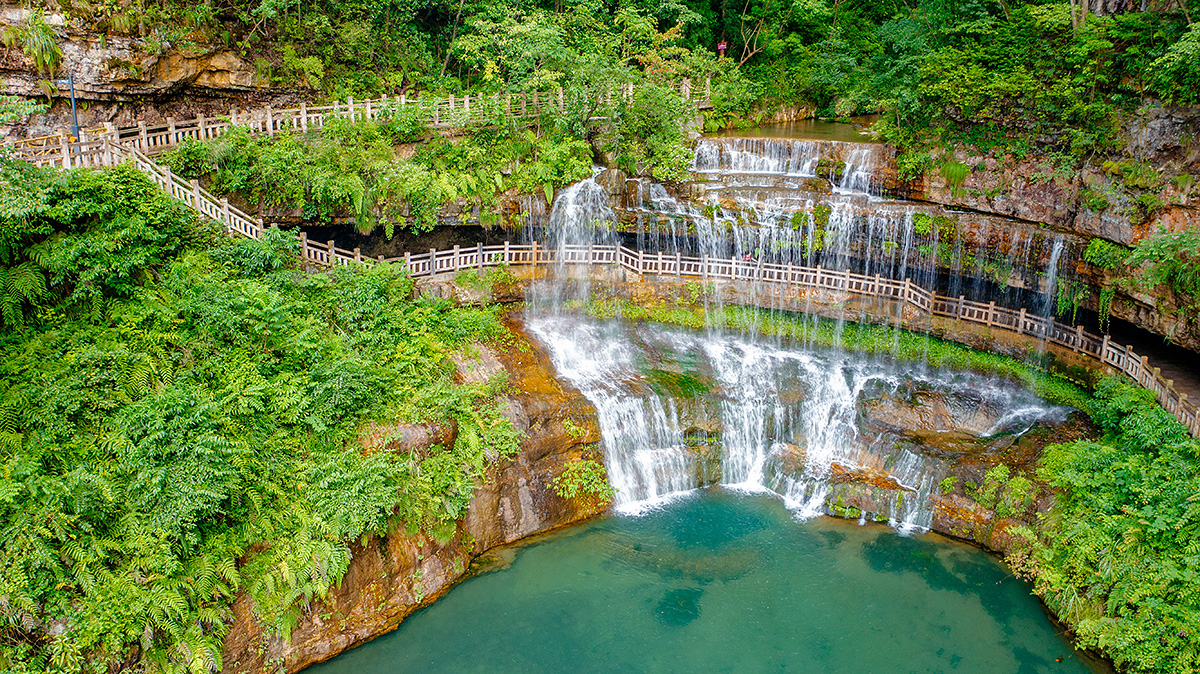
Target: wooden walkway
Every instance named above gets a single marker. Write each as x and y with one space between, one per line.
108 152
439 113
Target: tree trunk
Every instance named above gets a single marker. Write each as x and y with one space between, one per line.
453 35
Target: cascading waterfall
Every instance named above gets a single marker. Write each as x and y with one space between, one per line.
761 414
581 214
757 155
1052 276
680 410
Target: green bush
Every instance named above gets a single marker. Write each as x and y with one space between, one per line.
584 479
1118 560
1105 254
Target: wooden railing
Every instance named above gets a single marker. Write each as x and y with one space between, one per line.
106 152
449 112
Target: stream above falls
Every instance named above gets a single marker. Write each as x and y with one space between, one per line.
728 582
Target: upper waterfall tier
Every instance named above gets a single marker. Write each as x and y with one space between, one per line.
852 168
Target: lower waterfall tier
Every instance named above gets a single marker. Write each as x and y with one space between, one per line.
819 427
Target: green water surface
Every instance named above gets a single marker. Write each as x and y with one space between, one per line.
727 582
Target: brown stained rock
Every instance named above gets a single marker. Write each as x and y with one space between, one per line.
390 577
958 516
840 474
921 412
404 438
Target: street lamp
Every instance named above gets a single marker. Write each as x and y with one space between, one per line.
70 82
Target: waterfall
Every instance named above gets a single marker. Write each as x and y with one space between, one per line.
856 176
581 214
756 155
680 410
1056 252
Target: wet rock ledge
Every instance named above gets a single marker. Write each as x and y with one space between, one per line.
391 577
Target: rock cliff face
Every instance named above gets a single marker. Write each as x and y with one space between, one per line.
124 80
391 577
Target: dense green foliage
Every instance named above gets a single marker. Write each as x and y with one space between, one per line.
353 169
1119 557
1171 259
584 479
184 417
1014 72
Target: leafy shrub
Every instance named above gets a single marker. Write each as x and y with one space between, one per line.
584 479
1094 200
955 173
1117 561
1171 259
181 423
189 159
1105 254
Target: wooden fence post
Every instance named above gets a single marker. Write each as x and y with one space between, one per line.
196 194
303 245
201 128
535 257
1104 350
1078 338
64 145
350 108
332 252
407 261
270 117
171 139
455 257
991 313
233 116
1021 322
225 211
304 116
432 261
479 254
142 136
357 254
507 257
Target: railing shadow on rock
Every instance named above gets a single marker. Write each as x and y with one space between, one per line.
106 152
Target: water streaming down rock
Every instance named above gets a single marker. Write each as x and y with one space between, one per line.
1051 287
680 410
581 215
752 413
757 155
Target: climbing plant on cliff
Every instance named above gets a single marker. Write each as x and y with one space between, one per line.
181 421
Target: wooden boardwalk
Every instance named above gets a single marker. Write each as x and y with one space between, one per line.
439 113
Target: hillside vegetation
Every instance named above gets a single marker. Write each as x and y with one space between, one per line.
179 422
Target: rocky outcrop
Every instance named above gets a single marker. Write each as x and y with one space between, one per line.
124 80
392 576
